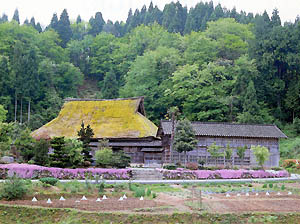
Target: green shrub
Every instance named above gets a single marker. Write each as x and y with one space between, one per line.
148 193
13 188
139 192
270 185
261 153
104 157
265 186
282 187
49 180
170 167
154 195
120 160
41 149
101 188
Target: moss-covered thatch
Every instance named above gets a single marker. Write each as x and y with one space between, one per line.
118 118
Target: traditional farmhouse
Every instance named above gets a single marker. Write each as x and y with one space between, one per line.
236 135
121 121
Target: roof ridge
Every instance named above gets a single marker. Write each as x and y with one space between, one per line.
226 123
116 99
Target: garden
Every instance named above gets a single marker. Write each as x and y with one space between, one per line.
140 203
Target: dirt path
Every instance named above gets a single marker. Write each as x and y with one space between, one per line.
176 202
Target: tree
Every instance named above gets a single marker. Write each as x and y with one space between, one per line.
41 150
59 157
78 20
110 88
25 143
214 151
74 148
184 137
261 153
97 24
64 28
148 76
228 152
240 151
54 22
16 16
3 113
85 135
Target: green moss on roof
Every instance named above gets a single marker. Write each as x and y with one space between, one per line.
108 118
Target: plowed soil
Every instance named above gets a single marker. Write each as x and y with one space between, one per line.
111 204
252 203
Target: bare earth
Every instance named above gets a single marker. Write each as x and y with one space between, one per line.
111 204
252 203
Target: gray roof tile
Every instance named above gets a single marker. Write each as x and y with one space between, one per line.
230 130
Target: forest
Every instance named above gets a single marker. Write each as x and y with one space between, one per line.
213 63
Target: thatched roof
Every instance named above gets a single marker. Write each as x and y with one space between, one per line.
230 130
116 118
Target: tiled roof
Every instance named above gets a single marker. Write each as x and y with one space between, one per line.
230 130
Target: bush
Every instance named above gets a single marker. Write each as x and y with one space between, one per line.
261 153
49 180
101 188
192 166
170 167
270 185
291 163
282 187
148 193
120 160
139 192
154 195
41 149
104 157
13 188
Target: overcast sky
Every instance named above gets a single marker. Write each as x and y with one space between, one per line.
114 10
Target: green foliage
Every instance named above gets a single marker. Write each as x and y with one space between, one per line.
49 180
139 192
41 149
85 135
228 152
261 153
170 167
148 192
282 187
121 159
240 151
184 137
13 188
74 148
214 151
104 157
101 188
25 143
60 156
3 113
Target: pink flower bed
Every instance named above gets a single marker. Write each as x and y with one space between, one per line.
36 172
221 174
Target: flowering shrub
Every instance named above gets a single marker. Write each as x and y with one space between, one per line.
291 163
37 172
220 174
